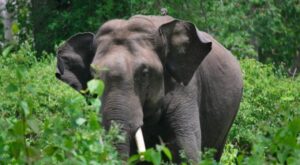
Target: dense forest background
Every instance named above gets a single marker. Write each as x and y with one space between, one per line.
41 125
268 31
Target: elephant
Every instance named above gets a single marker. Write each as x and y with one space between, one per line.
163 76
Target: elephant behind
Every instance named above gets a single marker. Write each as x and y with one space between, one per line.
164 76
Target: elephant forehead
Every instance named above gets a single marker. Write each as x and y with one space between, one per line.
121 59
116 64
120 27
130 39
109 26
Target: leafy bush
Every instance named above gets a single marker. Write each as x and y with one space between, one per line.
267 128
44 121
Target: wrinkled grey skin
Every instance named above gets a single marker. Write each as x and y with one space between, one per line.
163 75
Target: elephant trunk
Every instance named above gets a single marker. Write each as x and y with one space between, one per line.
124 108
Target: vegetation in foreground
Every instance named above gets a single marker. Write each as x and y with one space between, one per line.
44 121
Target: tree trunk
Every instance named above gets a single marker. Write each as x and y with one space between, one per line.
7 22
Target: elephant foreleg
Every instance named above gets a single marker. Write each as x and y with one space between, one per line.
182 118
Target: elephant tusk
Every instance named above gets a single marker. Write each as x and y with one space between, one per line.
140 142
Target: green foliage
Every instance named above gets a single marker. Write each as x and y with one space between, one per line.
282 147
151 155
25 56
58 20
261 29
96 87
43 121
264 30
21 25
265 130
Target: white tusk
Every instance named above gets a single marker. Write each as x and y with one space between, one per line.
140 141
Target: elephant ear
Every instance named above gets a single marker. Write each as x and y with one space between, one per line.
73 60
185 49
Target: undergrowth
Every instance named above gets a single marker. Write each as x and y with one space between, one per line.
44 121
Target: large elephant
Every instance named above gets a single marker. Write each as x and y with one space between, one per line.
162 75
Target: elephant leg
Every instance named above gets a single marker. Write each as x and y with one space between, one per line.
182 118
220 149
189 145
217 115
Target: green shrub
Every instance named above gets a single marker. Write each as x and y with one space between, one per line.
265 130
46 122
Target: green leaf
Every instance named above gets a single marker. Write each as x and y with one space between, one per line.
50 149
93 122
96 103
167 152
33 125
153 156
80 121
25 107
21 72
33 153
96 87
19 128
15 28
133 159
287 98
11 88
16 148
7 50
68 143
294 126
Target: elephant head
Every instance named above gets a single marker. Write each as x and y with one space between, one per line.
134 58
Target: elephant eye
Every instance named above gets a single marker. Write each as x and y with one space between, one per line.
145 72
142 81
142 73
